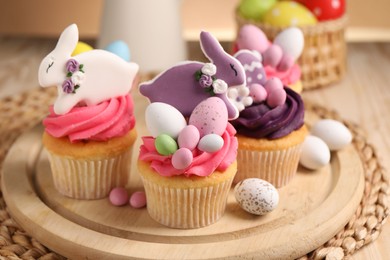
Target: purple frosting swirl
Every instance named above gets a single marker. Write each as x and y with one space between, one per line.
261 121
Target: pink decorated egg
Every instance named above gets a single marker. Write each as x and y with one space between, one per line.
325 9
182 158
189 137
210 116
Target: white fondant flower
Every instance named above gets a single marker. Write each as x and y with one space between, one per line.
240 97
77 77
219 86
209 69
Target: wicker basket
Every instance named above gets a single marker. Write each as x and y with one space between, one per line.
323 60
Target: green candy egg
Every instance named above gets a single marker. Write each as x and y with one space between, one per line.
165 145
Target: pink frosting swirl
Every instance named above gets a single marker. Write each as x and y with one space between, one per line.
203 164
111 118
287 77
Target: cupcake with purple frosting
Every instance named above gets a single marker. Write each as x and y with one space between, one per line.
270 127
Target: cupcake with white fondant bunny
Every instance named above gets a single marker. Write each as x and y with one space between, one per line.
90 130
188 162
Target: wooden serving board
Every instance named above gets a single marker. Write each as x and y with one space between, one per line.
312 209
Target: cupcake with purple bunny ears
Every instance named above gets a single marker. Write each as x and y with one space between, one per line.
188 163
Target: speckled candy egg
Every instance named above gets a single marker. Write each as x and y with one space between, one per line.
287 13
161 118
334 133
210 116
256 196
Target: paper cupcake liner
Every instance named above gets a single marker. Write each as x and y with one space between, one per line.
89 178
277 167
187 208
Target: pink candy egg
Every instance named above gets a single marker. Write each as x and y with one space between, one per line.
272 84
210 116
257 92
276 97
182 158
272 56
251 37
286 62
188 137
118 196
138 199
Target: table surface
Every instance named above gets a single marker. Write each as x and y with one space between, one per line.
363 97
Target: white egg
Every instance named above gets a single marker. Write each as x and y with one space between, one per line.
334 133
315 153
256 196
210 143
291 41
161 118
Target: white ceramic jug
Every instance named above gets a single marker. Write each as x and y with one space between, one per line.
151 28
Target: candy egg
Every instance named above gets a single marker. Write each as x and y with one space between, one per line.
210 116
325 9
250 37
288 13
119 48
80 48
162 118
165 145
256 196
118 196
210 143
138 199
315 153
257 92
188 137
291 41
182 158
334 133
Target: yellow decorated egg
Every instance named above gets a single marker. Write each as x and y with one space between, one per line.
288 13
81 47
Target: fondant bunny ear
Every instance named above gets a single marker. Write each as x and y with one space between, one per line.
68 40
210 45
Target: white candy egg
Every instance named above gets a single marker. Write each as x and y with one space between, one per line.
315 153
256 196
334 133
210 143
291 41
161 118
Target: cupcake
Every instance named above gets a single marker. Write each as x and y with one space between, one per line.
188 163
323 60
90 130
278 57
270 126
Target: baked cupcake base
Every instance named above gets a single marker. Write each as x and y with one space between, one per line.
275 161
89 170
186 202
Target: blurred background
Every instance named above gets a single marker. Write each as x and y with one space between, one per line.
368 20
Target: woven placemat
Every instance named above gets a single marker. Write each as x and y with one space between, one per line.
21 112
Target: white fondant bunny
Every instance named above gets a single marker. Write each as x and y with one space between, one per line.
88 78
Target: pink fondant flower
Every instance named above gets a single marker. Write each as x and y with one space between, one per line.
68 86
205 81
72 65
